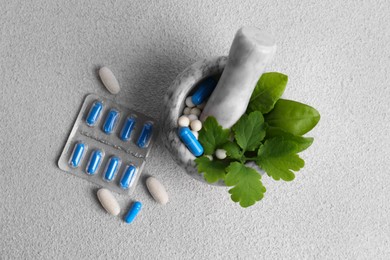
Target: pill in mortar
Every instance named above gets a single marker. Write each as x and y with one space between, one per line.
133 212
145 135
111 120
192 117
190 141
201 106
127 128
187 111
94 162
111 168
77 154
204 90
195 111
157 190
195 133
183 121
128 177
196 125
189 102
109 80
94 113
108 201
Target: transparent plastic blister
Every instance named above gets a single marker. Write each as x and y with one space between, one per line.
108 145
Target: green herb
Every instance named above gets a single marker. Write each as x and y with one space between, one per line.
293 117
268 90
212 136
269 134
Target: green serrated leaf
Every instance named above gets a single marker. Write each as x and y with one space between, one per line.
232 150
247 184
212 135
278 158
293 117
268 90
302 142
214 170
249 131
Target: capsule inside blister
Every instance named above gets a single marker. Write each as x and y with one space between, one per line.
111 168
94 113
111 120
94 162
77 155
146 134
128 127
128 177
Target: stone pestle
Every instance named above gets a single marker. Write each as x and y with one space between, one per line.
249 54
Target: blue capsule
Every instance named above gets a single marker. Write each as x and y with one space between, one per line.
77 154
145 135
133 212
190 141
94 162
128 177
94 113
205 89
112 168
111 121
127 128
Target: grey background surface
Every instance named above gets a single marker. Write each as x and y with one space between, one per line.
337 56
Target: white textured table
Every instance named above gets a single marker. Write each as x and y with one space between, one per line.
337 56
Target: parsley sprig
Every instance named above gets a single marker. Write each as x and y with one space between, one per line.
270 133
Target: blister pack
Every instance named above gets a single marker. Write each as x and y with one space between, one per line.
109 144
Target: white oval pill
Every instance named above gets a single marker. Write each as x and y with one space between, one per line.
109 80
189 102
195 111
192 117
220 154
157 190
196 125
196 134
187 111
108 201
183 121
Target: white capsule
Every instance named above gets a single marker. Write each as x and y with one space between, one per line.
187 111
195 111
220 154
157 190
201 106
196 134
196 125
109 80
183 121
108 201
189 102
192 117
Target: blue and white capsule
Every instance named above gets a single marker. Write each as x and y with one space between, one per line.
77 155
127 128
94 113
204 90
190 141
145 136
128 177
133 212
111 120
94 162
111 168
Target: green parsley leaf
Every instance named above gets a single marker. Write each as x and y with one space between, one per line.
268 90
213 170
212 136
249 131
247 185
293 117
278 157
232 150
302 142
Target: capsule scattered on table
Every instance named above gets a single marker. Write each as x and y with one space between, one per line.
133 212
109 80
157 190
108 201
